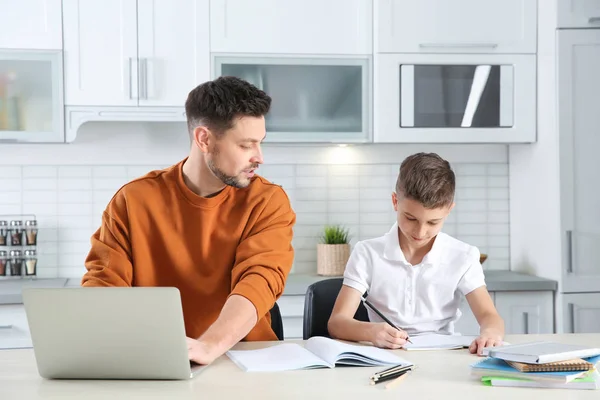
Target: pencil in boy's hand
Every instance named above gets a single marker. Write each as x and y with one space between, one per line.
383 317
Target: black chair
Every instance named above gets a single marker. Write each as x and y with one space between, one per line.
318 304
276 321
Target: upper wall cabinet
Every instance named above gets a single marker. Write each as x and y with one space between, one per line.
457 26
30 24
291 27
134 52
578 13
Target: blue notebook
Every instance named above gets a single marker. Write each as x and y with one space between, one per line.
500 368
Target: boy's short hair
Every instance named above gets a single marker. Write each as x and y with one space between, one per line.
428 179
217 103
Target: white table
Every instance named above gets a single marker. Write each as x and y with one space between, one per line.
440 375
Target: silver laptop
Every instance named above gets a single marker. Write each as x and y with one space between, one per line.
108 333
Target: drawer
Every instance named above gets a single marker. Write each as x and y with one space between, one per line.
291 306
14 329
292 327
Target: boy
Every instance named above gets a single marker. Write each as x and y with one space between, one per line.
415 274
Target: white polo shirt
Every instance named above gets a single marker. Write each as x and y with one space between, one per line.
420 298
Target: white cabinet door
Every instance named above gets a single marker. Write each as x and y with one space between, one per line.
292 313
578 13
14 329
174 54
582 312
457 26
526 312
30 24
579 119
100 52
291 27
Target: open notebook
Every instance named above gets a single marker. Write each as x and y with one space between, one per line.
435 341
318 352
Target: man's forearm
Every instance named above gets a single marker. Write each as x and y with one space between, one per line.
236 319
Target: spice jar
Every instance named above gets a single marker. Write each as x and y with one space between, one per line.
30 262
3 233
16 262
3 262
16 233
31 231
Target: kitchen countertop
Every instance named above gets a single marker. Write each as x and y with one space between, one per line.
497 281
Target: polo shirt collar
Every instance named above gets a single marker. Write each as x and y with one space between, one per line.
393 252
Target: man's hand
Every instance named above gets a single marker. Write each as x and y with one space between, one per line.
485 340
200 352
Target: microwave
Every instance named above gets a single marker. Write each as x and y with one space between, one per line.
455 98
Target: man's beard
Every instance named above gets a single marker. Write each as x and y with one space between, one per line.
229 180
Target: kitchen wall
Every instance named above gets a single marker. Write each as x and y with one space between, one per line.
68 186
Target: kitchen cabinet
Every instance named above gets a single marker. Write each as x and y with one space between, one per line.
291 27
31 96
134 52
315 99
581 312
14 329
526 312
30 24
578 13
292 311
458 26
578 120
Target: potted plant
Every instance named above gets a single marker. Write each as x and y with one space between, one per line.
333 251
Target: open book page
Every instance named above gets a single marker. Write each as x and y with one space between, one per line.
434 341
283 357
335 352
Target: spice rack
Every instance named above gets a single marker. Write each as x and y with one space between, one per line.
18 246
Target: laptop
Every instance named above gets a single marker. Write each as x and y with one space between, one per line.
108 333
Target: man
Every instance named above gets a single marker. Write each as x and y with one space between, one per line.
207 225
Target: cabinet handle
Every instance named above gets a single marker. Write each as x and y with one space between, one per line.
572 316
9 326
570 252
144 78
526 322
459 45
594 20
130 78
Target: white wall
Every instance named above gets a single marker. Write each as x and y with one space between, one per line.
67 187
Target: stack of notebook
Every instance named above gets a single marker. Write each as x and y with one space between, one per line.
540 365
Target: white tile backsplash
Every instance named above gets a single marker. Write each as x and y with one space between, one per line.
68 201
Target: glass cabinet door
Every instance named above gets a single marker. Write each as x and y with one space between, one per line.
321 100
31 96
453 96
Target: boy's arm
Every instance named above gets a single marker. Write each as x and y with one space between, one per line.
342 325
491 332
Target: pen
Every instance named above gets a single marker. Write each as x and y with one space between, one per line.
368 304
396 381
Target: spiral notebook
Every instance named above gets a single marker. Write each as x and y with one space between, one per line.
576 364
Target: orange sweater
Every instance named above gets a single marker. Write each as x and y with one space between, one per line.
157 232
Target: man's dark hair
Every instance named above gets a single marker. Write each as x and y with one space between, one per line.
217 104
428 179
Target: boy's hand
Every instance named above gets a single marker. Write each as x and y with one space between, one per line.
200 352
385 336
485 340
